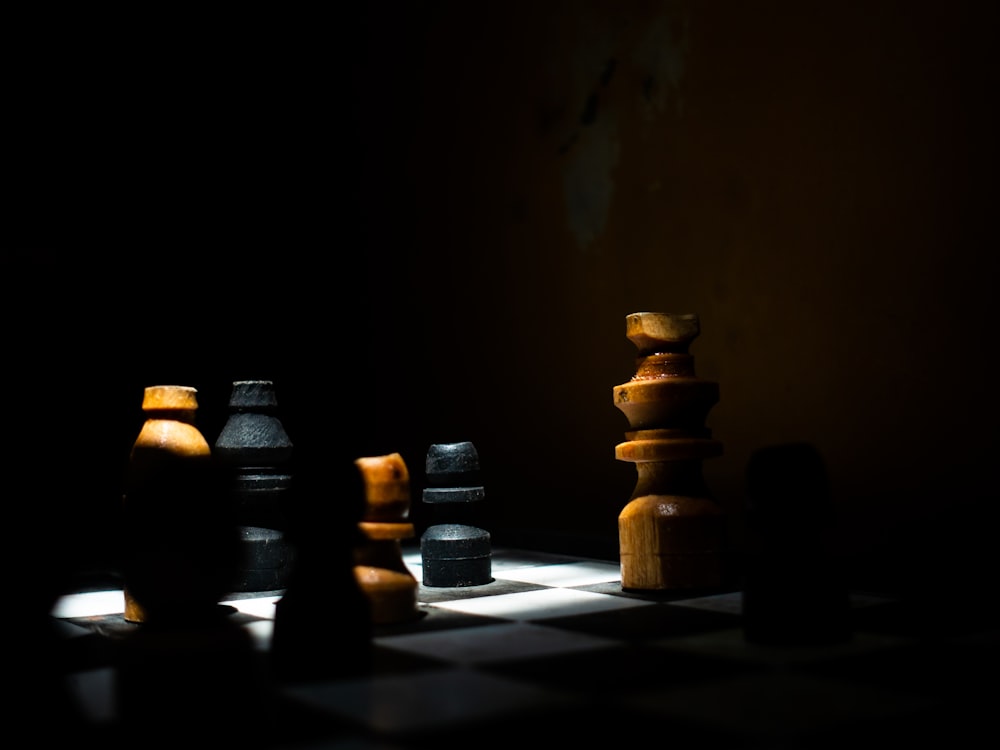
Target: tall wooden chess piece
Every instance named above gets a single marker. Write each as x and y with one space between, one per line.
671 534
378 561
180 546
189 670
255 451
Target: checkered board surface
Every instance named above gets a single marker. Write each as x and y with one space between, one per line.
554 651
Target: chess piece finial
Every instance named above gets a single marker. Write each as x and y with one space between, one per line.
378 561
672 532
255 450
454 550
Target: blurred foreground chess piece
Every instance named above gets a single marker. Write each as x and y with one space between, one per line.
191 682
181 545
254 450
322 622
378 558
794 592
672 533
454 551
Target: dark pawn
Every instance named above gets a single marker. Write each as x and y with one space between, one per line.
255 452
323 624
454 550
184 683
794 591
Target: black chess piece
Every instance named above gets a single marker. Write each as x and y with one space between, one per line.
794 592
454 550
181 682
255 453
323 621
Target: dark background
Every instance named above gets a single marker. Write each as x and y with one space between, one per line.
426 222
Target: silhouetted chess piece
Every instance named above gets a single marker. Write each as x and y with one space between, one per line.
323 623
794 592
180 546
454 550
378 558
192 682
672 533
255 451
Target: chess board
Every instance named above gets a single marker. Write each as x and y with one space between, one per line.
553 650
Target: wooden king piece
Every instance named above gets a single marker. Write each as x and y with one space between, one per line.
671 534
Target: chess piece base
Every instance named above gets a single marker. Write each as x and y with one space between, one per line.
266 560
455 555
391 593
671 542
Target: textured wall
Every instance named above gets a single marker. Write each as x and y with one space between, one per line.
811 179
428 221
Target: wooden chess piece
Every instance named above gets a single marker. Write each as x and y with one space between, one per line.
378 561
454 551
180 546
671 534
255 451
